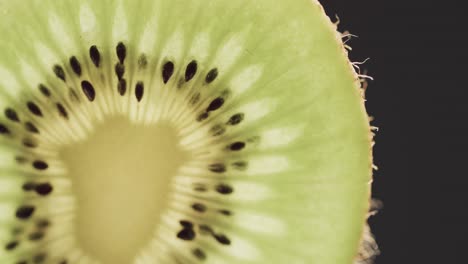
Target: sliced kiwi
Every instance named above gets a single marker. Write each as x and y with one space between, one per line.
178 131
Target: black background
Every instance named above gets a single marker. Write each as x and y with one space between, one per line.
418 58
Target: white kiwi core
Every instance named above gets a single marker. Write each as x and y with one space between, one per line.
121 176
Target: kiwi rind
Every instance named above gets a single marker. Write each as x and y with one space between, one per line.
297 71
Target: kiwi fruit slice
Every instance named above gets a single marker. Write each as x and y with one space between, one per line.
178 131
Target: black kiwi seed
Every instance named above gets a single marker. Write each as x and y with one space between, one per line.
38 235
28 186
29 143
40 165
236 119
62 111
198 253
75 65
12 115
215 104
11 245
224 189
186 223
119 70
43 189
4 130
88 90
199 207
33 108
21 262
95 55
211 75
122 86
30 127
222 239
225 212
59 72
186 234
121 51
203 116
199 187
217 167
139 90
236 146
44 90
168 70
25 211
42 223
205 229
191 70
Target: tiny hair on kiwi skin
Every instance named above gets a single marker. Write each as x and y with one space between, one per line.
181 132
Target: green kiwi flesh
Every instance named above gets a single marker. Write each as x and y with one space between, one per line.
178 131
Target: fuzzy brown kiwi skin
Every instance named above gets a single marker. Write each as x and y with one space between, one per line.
367 247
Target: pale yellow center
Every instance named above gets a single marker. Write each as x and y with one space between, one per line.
121 176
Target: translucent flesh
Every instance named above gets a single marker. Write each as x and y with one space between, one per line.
304 195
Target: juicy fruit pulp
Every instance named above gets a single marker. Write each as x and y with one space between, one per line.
179 132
